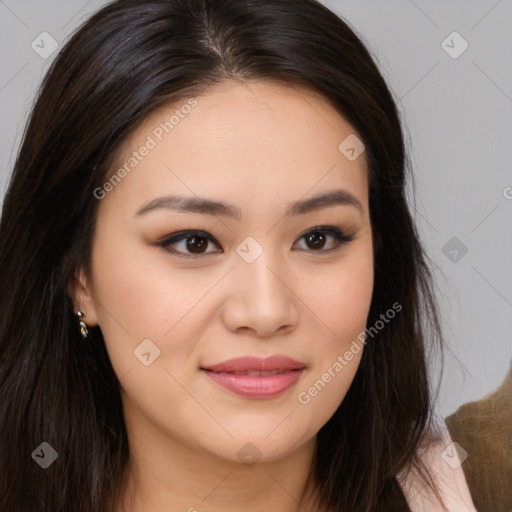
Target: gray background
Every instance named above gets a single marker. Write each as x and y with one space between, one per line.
457 114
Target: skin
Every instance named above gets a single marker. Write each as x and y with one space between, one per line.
258 145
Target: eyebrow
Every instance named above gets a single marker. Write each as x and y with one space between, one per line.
207 206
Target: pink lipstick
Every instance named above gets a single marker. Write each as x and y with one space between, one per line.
254 377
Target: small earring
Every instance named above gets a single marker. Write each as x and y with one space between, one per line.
83 325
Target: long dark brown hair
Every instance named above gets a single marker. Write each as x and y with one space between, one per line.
128 59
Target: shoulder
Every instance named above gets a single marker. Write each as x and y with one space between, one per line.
444 464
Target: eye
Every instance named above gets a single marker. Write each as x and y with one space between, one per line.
194 243
317 237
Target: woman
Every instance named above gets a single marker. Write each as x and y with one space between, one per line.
213 294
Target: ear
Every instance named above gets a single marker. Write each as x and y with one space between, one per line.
80 292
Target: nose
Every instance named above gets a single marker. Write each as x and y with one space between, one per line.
261 299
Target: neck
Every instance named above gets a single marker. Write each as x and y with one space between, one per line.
169 475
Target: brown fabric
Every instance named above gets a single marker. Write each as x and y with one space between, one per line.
484 430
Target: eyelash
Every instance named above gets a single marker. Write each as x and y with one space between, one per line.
337 234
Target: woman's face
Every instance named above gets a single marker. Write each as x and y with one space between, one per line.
260 279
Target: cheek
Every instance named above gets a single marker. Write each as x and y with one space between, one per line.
138 293
136 300
342 303
142 298
341 298
130 297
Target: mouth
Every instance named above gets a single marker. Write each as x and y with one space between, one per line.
253 373
279 363
256 377
256 384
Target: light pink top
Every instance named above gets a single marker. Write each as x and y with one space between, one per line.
444 460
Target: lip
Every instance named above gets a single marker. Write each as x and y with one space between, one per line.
256 386
239 364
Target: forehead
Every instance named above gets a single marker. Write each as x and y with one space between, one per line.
259 139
